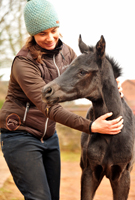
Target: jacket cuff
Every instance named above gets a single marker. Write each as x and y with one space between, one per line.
90 128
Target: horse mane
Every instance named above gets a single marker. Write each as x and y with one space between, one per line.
115 66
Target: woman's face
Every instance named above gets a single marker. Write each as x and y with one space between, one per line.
48 39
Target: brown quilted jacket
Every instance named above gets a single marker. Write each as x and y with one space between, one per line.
24 109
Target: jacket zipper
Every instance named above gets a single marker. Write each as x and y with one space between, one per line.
56 66
46 123
26 111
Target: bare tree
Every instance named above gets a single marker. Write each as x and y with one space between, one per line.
12 30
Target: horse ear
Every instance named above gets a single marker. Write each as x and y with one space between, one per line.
82 46
100 47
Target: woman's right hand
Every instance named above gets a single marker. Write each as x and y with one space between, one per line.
103 126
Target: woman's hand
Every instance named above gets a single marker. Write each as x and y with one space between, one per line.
103 126
119 87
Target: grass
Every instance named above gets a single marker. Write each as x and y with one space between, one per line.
1 103
3 92
70 156
9 191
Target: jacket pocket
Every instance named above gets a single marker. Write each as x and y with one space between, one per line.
11 116
35 119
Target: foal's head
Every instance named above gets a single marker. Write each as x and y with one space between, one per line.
84 77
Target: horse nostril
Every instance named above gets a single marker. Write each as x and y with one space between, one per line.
47 92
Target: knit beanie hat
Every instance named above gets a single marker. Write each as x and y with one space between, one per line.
40 15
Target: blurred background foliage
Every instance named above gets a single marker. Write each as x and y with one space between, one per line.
12 30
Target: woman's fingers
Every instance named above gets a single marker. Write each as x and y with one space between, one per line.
116 121
117 124
119 87
105 116
114 131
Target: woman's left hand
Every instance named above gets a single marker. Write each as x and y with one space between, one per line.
119 87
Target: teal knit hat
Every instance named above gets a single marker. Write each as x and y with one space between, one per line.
40 15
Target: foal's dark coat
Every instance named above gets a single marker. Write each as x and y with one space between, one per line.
92 75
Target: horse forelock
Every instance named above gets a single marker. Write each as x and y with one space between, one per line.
115 66
91 48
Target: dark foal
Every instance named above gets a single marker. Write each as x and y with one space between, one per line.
92 75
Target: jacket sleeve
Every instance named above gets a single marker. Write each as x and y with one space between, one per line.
28 76
67 118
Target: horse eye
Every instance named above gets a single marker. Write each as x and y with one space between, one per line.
82 72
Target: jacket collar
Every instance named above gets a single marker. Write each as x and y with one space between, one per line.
55 51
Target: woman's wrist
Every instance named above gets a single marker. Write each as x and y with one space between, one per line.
90 129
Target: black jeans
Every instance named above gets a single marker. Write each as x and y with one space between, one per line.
35 166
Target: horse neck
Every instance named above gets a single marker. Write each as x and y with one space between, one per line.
110 99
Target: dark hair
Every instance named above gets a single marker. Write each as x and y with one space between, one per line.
35 50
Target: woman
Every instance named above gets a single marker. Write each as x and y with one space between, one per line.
29 139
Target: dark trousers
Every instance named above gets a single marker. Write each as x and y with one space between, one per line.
35 166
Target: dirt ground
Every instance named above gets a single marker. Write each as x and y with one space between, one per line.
70 185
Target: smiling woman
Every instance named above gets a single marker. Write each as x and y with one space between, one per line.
48 39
